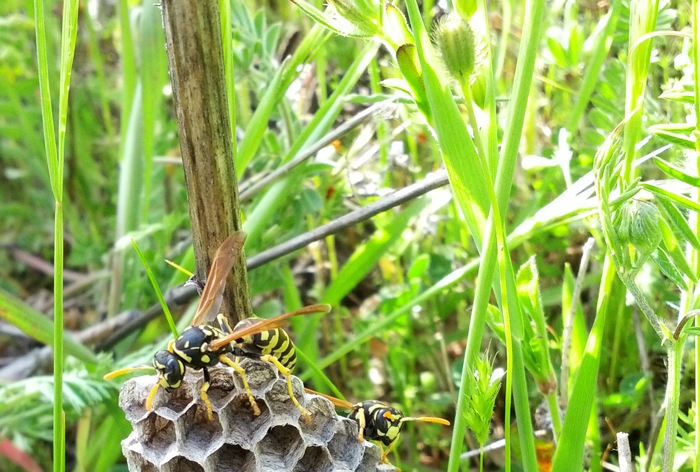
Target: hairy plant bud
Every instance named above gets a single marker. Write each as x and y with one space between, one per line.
455 41
638 224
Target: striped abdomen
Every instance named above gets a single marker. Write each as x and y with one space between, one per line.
274 342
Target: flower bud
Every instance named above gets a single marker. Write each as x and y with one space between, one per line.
638 224
455 41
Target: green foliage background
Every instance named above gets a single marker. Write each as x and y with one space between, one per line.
574 102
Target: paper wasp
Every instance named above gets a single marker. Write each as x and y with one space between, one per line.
377 420
202 346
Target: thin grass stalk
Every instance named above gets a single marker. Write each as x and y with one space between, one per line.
152 61
532 32
55 161
642 21
96 59
508 7
128 61
694 222
673 395
227 39
595 64
499 229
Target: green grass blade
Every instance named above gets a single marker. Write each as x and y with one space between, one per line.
458 150
359 265
259 121
569 453
366 257
227 39
677 198
676 172
55 160
156 288
55 173
153 69
323 120
39 327
595 64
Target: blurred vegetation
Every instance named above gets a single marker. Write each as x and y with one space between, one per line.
604 104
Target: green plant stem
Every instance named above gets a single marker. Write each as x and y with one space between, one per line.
642 21
532 31
553 404
694 257
227 40
59 426
595 64
673 393
469 102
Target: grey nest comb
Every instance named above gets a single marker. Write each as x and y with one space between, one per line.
177 436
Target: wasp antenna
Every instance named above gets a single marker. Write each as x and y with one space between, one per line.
426 419
180 268
336 401
320 308
126 370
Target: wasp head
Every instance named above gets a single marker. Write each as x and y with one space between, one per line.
171 369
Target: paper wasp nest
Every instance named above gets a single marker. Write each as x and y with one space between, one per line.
177 436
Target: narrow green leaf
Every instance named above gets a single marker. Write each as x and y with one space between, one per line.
669 268
366 257
159 294
278 194
39 327
675 250
679 199
685 141
459 152
679 96
153 68
677 221
692 331
258 123
677 173
570 449
409 64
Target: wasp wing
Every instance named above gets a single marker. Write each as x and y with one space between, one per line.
265 325
213 293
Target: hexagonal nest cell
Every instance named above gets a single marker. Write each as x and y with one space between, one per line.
177 434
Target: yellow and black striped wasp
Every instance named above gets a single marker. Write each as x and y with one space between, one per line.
377 420
203 345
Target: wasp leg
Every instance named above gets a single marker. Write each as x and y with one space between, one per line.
287 373
386 453
253 404
361 423
203 393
